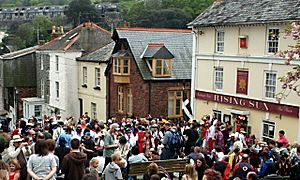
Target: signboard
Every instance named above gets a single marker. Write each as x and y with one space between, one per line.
242 82
282 109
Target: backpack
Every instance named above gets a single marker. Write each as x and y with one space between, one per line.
176 141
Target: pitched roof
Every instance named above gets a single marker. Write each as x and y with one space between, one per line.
158 51
177 41
86 37
19 53
100 55
238 12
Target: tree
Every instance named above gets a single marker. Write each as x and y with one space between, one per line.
42 25
81 10
291 81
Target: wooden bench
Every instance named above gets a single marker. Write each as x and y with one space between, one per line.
170 166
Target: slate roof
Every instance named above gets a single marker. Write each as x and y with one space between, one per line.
86 37
19 53
100 55
158 51
239 12
177 41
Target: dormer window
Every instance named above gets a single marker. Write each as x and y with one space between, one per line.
159 60
121 63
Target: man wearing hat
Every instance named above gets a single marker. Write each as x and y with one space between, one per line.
19 151
109 143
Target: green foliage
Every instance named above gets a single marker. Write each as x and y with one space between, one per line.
13 3
42 24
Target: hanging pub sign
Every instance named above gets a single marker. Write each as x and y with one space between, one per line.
242 82
282 109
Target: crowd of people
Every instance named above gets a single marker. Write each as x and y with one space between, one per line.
54 148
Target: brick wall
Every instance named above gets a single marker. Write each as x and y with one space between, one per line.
158 99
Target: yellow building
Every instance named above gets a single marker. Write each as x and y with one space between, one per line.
235 72
92 82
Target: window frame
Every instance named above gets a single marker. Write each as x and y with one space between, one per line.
42 89
56 63
40 110
118 65
57 89
221 79
84 75
270 86
97 77
120 100
174 98
268 41
268 123
219 42
94 110
164 62
129 102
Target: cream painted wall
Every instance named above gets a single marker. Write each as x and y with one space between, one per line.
89 94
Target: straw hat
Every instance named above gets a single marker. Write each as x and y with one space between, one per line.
16 138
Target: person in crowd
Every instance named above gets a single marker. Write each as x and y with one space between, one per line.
42 165
4 174
223 167
113 171
295 164
88 146
136 156
168 152
61 151
14 170
282 138
124 147
190 173
109 143
210 174
93 166
252 176
284 165
242 168
219 138
73 164
191 137
200 166
19 151
235 157
195 154
268 165
151 170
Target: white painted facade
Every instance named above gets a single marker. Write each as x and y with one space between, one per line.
66 77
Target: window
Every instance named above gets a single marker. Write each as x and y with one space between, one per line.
120 99
94 110
121 66
162 67
129 101
97 77
272 42
42 88
175 103
84 75
218 84
220 41
42 62
37 110
57 89
268 130
270 84
218 114
56 62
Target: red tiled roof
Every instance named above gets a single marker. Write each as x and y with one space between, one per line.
155 45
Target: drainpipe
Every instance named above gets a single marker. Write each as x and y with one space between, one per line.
108 114
194 73
149 97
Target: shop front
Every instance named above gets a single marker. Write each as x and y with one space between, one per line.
260 118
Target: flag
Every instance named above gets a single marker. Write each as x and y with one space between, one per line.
187 110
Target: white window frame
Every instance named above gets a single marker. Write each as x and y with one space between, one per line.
94 110
97 77
274 41
270 85
217 79
42 88
57 89
220 41
42 61
84 75
269 124
56 63
40 110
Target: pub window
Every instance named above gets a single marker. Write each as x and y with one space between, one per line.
175 103
270 84
121 66
268 130
273 40
218 78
